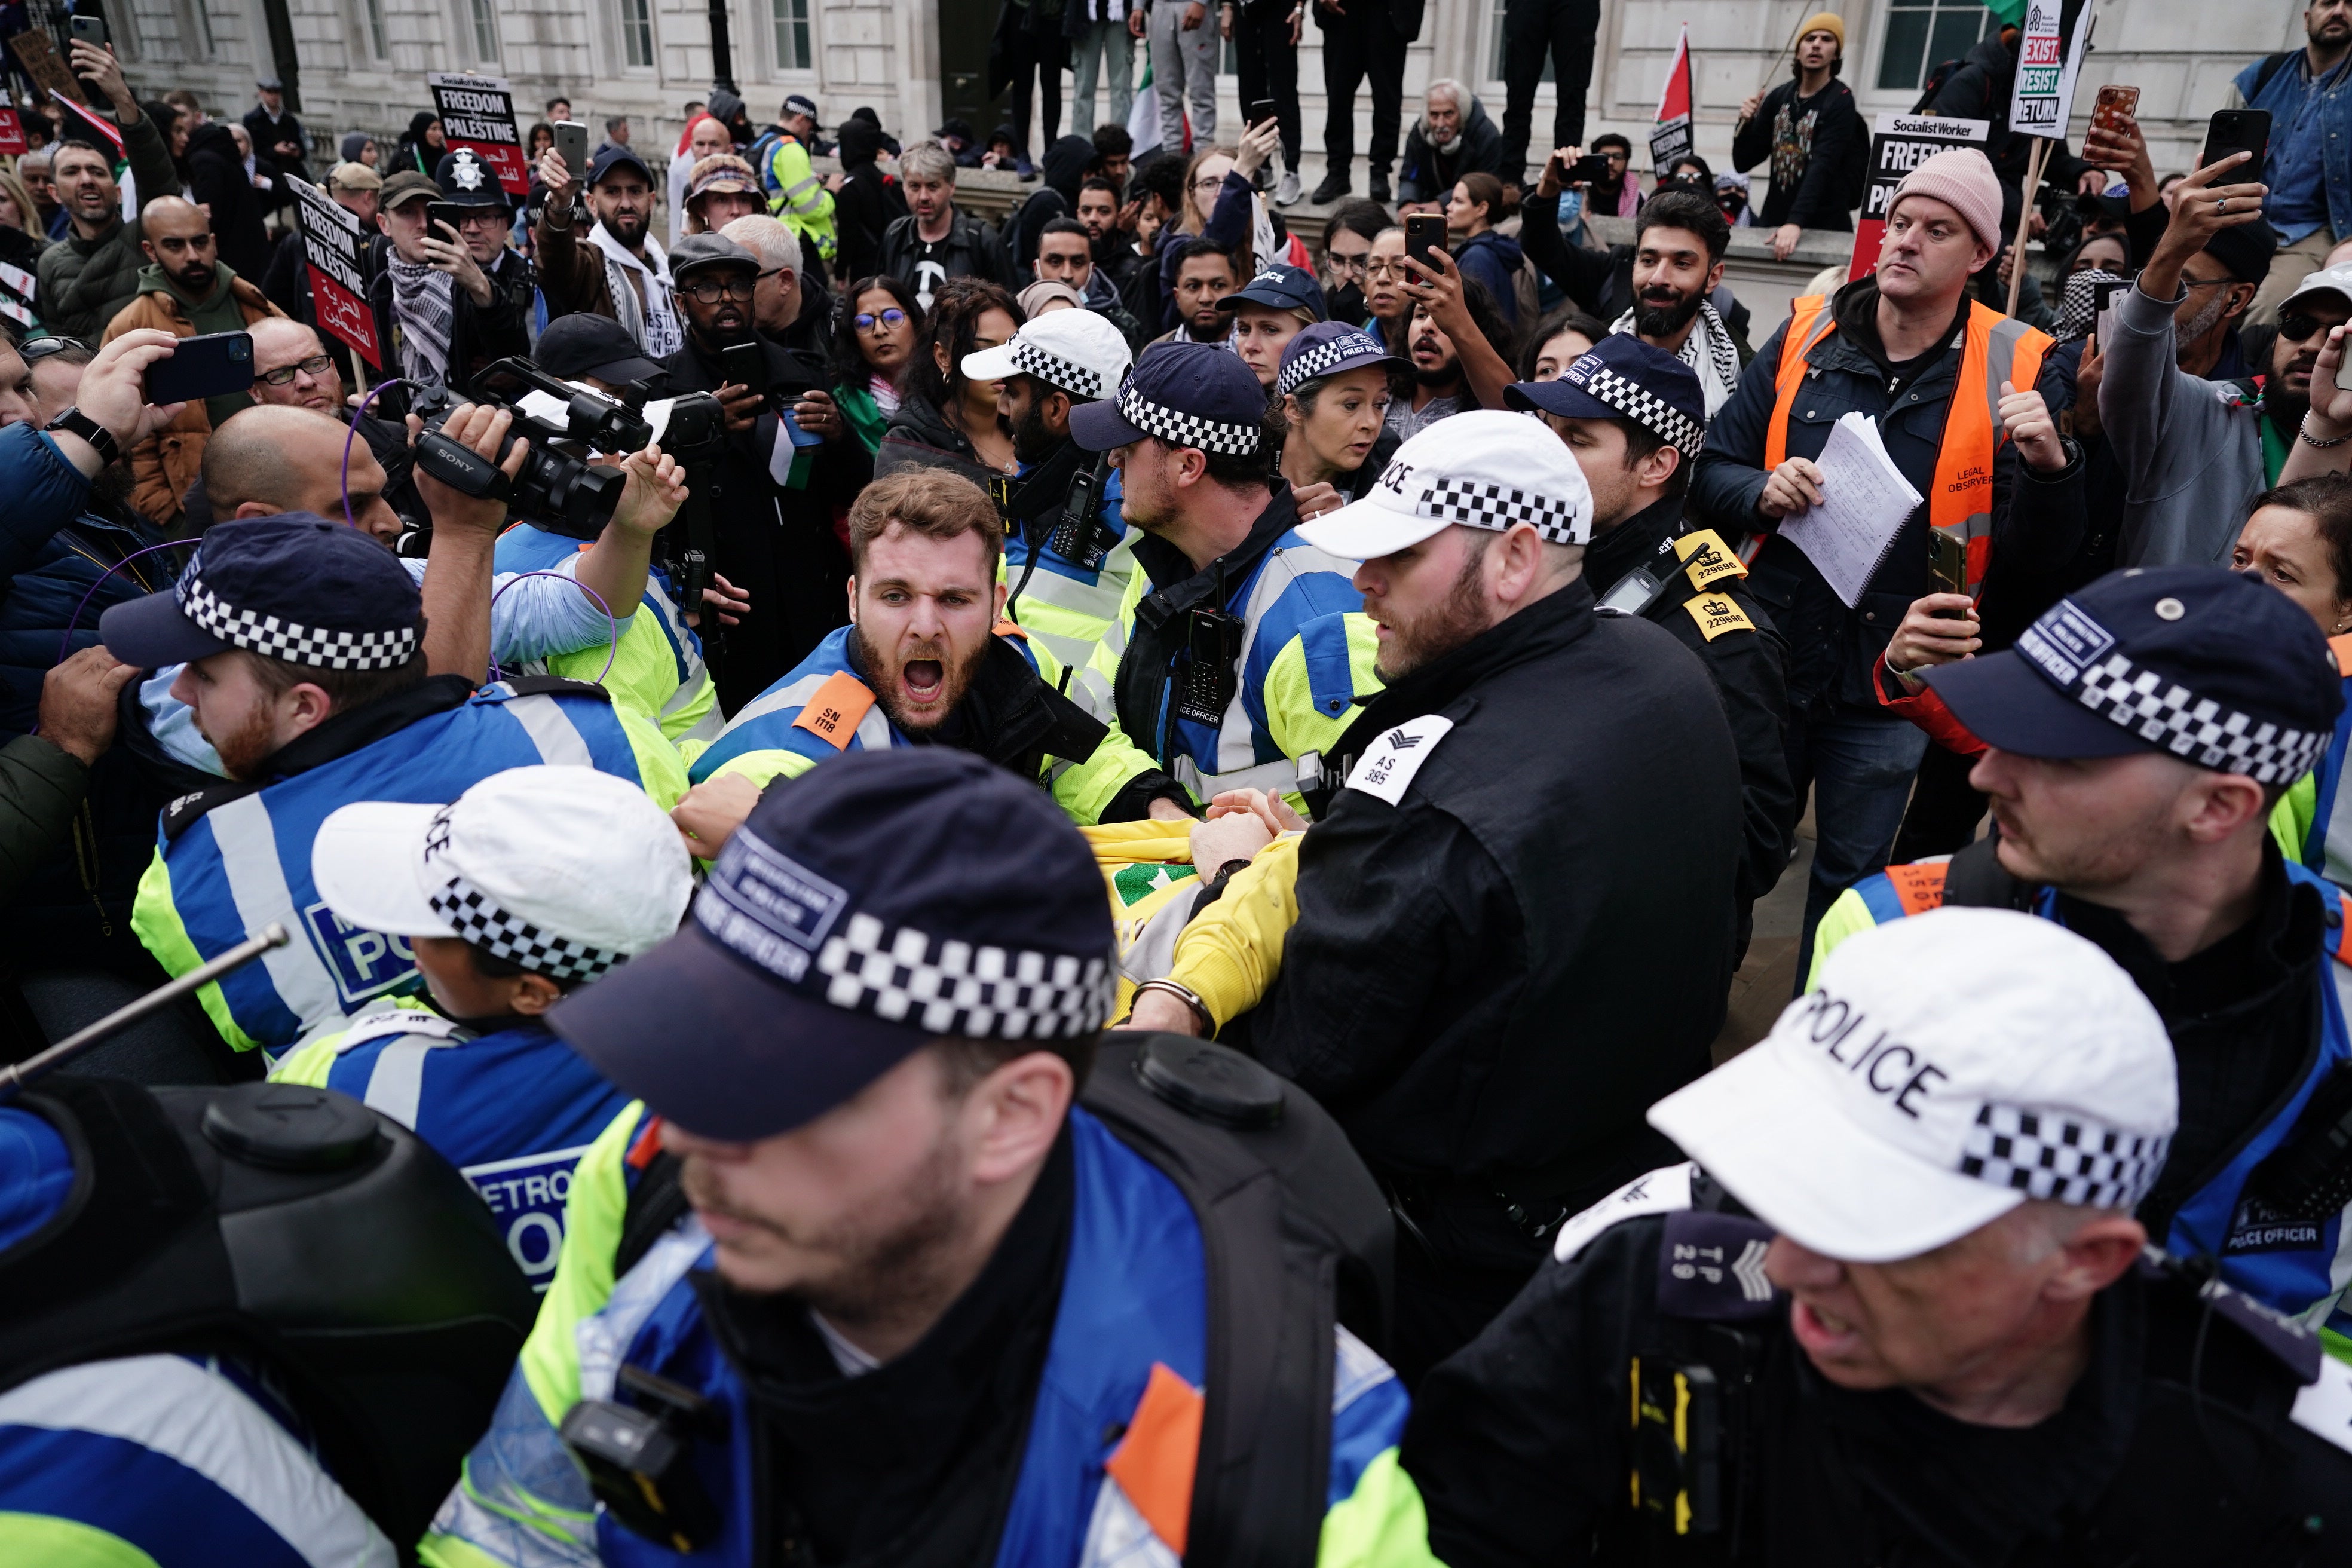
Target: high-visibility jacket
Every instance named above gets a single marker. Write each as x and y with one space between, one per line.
1998 348
824 708
796 194
2294 1264
230 860
2313 820
1065 604
514 1109
1105 1467
657 672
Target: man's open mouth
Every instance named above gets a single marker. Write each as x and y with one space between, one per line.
923 679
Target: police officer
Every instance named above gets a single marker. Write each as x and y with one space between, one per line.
1528 869
1068 554
1943 1338
306 671
2139 734
530 884
485 222
928 659
1241 645
925 1307
1635 415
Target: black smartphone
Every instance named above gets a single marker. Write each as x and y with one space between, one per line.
1590 170
204 366
2237 131
746 364
1259 112
572 145
1424 232
437 213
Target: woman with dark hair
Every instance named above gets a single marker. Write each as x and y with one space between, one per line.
884 322
542 137
1559 341
1331 400
2299 541
1492 259
421 145
946 420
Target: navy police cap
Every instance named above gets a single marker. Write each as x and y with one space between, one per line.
294 586
1187 395
2214 667
1281 287
1622 377
877 903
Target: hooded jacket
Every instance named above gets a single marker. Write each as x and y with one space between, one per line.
1064 171
216 178
85 283
1493 259
1427 174
868 204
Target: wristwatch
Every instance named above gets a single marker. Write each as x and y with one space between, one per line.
74 422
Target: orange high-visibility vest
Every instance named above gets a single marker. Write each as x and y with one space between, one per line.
1998 348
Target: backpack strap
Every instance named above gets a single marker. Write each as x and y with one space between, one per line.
1975 880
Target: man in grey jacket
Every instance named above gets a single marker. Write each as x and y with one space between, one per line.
93 273
2195 453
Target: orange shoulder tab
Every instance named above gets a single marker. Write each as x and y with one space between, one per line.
1008 629
1919 888
646 1145
2342 648
1155 1460
839 706
2343 944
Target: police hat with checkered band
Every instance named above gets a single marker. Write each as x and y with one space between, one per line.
2214 667
293 587
566 871
1944 1069
1078 350
1486 469
888 899
466 179
1622 377
1187 394
1328 347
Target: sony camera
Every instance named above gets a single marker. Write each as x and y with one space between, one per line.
557 486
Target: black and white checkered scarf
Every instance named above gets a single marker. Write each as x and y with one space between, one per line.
1708 351
424 307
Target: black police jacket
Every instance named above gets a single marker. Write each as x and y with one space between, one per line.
1703 603
2176 1447
1510 948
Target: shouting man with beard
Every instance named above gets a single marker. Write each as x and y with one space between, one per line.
1492 912
2195 460
926 659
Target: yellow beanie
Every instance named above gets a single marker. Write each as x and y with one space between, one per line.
1825 22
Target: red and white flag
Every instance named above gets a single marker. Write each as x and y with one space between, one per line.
103 127
1671 137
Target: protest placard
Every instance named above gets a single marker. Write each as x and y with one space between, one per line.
1898 144
477 112
338 279
12 130
38 56
1671 137
2053 38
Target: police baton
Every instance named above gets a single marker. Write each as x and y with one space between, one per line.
16 1075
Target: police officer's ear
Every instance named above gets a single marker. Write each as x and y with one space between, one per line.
1658 468
534 994
2096 1251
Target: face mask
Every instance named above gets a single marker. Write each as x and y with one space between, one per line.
1347 304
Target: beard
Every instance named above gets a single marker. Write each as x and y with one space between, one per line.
888 677
1456 619
2203 321
1652 320
1445 375
243 752
1031 441
629 228
197 281
113 485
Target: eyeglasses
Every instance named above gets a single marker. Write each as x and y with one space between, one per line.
866 321
485 217
2300 328
33 349
1213 183
1389 269
316 365
1349 263
710 291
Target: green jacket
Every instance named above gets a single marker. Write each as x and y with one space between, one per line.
85 283
40 789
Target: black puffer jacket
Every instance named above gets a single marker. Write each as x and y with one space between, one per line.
216 178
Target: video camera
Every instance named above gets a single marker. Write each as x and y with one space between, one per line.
554 486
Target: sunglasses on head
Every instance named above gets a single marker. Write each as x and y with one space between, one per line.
890 316
33 349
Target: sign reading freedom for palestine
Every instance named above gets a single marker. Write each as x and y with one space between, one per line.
1900 143
339 283
477 112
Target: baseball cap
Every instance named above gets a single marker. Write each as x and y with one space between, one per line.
611 155
1078 350
719 172
468 180
696 252
583 344
1280 287
2215 667
2245 249
1622 377
877 903
406 186
562 869
353 177
293 586
1948 1068
1327 348
1187 395
2337 281
1485 468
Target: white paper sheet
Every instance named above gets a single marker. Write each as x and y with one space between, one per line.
1864 499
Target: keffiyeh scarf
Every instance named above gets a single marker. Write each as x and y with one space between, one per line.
427 313
1708 351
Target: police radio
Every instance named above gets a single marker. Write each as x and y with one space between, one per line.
640 1458
1205 678
1080 537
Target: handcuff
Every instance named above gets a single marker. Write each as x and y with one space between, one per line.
1185 993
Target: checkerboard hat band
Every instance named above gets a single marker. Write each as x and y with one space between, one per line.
1647 409
1481 504
2069 1159
273 637
1324 358
478 918
2197 730
957 988
1179 428
1052 367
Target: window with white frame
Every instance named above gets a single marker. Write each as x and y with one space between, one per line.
372 31
791 20
637 34
1922 33
486 30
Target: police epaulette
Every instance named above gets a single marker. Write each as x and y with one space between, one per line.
2287 1341
553 686
1711 1267
184 812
